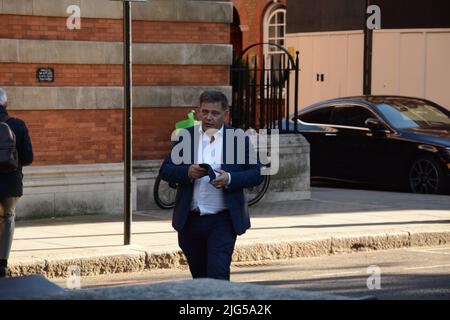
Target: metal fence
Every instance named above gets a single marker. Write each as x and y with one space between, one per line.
261 90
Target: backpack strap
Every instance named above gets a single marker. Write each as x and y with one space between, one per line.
4 118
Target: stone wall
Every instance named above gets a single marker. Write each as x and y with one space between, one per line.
292 181
51 191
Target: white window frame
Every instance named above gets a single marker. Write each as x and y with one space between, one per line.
272 12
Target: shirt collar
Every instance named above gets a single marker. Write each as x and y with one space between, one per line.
216 135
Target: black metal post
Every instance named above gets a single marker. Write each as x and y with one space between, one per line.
254 94
127 121
297 68
368 47
247 95
280 91
262 100
288 93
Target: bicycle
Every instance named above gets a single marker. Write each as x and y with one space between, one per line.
164 193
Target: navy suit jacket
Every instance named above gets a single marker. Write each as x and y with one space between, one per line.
242 176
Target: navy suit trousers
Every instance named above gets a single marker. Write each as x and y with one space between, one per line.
208 244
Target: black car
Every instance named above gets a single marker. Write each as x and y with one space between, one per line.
380 140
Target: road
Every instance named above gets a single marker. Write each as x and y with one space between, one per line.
409 273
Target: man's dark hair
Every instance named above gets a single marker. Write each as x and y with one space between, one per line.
213 96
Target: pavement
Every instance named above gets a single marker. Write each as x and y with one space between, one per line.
334 221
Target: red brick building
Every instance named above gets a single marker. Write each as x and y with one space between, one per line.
252 20
180 48
84 131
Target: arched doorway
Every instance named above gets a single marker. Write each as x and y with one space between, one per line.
236 34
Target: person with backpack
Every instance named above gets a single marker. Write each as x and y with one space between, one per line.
16 151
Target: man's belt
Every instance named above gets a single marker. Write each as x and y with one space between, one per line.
197 212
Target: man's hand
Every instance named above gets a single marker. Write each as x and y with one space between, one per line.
195 172
220 181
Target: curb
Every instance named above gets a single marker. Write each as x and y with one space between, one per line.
137 259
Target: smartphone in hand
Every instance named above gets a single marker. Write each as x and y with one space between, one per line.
211 173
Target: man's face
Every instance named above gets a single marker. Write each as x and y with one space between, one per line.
212 115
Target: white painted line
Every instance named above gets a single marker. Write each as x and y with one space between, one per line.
335 274
429 251
428 267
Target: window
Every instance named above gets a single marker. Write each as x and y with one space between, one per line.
319 116
351 116
274 32
276 29
412 114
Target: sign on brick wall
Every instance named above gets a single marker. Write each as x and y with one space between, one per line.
45 74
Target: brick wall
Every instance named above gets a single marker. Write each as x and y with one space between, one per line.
24 74
54 28
95 136
252 13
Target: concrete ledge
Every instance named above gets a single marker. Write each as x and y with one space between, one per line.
165 260
35 98
44 98
95 265
162 10
372 242
190 11
172 96
134 259
292 181
98 52
90 261
61 51
182 54
429 239
282 250
73 190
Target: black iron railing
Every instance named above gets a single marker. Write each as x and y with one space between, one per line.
262 90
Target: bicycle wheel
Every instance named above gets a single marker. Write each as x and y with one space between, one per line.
164 193
255 194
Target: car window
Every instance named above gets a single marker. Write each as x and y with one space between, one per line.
352 116
319 116
413 114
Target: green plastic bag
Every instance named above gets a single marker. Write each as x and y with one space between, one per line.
187 123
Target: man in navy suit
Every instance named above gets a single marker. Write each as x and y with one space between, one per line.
211 209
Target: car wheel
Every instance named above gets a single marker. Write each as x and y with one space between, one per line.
426 175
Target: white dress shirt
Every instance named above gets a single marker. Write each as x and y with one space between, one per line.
209 199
